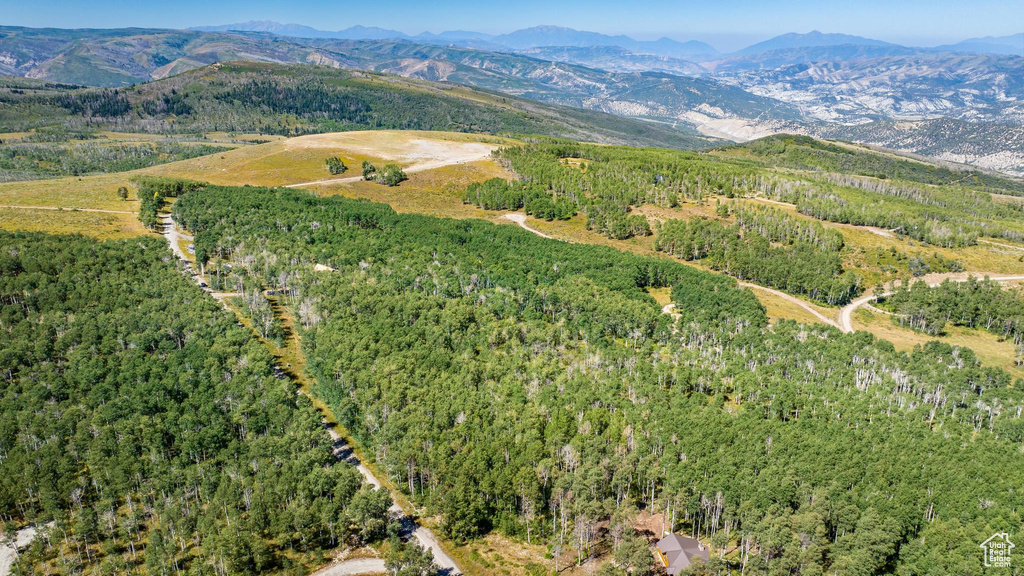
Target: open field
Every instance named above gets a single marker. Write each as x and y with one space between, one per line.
32 206
301 160
99 224
431 192
96 192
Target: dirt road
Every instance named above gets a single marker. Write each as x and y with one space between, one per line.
794 300
1000 244
353 567
846 314
173 235
521 220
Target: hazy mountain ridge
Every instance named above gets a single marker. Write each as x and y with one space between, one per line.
525 39
616 59
131 56
811 39
815 89
559 36
1012 45
910 86
994 146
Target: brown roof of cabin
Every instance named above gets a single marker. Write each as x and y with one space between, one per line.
678 552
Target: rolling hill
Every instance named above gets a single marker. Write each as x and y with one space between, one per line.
282 99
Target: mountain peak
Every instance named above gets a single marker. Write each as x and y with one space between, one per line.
812 39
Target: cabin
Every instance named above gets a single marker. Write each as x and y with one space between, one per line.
678 552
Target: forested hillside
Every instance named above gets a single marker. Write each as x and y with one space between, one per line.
547 397
774 248
145 431
266 98
805 153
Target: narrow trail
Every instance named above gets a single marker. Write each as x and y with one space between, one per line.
346 180
63 209
341 449
846 314
1001 245
792 299
520 219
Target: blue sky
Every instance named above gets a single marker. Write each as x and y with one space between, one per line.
727 24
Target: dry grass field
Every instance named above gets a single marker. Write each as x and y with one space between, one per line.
299 160
990 348
440 165
105 226
21 203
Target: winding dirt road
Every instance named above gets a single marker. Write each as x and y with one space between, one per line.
521 220
794 300
410 529
846 314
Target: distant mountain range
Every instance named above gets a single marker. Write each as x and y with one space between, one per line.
557 36
536 37
812 83
813 39
1012 45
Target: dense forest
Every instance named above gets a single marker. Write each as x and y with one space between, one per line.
949 217
808 262
605 183
145 431
547 397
